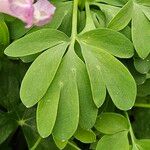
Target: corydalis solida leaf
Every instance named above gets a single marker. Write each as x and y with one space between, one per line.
39 13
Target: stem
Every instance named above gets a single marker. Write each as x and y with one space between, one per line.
74 21
142 105
36 144
74 146
131 130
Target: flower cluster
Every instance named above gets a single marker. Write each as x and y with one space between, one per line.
38 13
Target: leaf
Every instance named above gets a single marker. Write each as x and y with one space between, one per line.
96 80
115 76
143 2
41 40
143 89
4 35
118 141
142 65
71 146
7 126
60 144
110 123
110 41
109 11
113 2
17 29
146 11
143 144
29 58
88 110
61 11
140 27
40 75
85 136
122 18
47 110
68 109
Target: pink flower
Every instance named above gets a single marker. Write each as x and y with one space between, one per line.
43 12
39 13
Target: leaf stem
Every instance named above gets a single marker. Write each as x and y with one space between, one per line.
74 21
142 105
131 130
74 146
36 144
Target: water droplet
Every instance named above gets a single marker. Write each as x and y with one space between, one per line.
61 84
98 67
63 141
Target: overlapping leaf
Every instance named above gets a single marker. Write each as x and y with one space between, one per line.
138 11
4 36
60 84
104 70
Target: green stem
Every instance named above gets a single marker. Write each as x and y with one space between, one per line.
142 105
131 130
74 146
74 21
36 144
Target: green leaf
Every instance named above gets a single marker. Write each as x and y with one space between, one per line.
143 2
142 65
122 18
97 84
7 126
47 111
143 89
29 58
71 146
110 123
40 75
4 35
60 144
41 40
62 10
109 11
143 144
140 32
146 11
68 109
88 110
17 29
85 136
115 76
113 2
111 41
118 141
